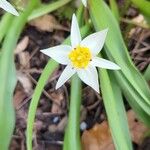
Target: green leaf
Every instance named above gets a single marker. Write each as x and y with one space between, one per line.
47 8
147 73
4 24
8 77
116 51
48 70
115 110
114 9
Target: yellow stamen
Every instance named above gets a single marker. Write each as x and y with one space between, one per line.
80 57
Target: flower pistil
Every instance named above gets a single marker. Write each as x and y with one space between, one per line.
80 57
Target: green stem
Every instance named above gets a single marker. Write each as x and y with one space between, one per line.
72 134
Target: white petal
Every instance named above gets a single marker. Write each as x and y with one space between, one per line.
103 63
95 41
84 2
89 76
66 74
58 53
75 32
8 7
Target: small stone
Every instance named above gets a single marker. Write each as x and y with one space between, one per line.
83 126
56 119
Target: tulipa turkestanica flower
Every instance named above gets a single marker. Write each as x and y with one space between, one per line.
8 7
81 56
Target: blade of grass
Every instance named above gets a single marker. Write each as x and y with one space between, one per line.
116 50
47 8
72 133
38 91
8 76
116 113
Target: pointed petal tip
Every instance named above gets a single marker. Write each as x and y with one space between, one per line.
56 87
74 18
8 7
118 68
73 15
42 51
84 3
97 90
105 30
16 14
115 67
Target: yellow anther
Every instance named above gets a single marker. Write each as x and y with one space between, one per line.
80 57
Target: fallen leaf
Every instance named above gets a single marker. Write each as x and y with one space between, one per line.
99 137
139 19
22 45
19 96
25 82
58 98
137 128
23 58
46 23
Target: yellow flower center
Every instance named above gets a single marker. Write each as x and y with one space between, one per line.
80 57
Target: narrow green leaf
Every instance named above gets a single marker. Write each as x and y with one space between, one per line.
115 111
147 73
4 24
48 70
132 96
47 8
116 51
114 9
8 77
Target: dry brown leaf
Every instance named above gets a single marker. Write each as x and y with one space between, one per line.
58 97
23 58
22 45
139 19
46 23
19 96
25 82
137 129
99 137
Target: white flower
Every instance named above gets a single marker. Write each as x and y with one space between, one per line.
84 2
8 7
81 57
